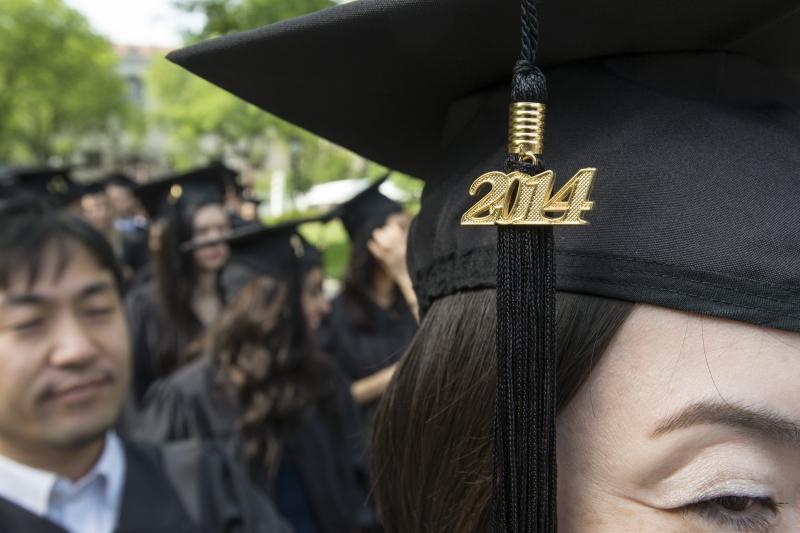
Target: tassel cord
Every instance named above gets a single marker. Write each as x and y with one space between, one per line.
524 483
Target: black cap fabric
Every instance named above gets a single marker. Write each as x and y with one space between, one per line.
154 197
55 184
269 250
390 100
366 211
201 185
698 175
277 251
694 136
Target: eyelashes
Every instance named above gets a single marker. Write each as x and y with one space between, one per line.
735 512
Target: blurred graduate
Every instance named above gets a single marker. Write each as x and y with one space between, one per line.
184 296
64 370
373 319
258 383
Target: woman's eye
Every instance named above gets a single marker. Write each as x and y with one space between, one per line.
737 513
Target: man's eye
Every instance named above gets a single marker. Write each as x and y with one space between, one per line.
98 311
737 512
28 325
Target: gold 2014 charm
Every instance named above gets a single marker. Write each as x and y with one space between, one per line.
521 199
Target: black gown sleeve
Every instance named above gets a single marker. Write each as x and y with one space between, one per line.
167 414
217 492
142 322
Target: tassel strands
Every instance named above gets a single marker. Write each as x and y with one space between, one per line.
524 487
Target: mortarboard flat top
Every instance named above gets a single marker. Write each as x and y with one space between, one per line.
200 185
691 115
390 100
53 183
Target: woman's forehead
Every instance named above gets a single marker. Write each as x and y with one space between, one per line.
663 360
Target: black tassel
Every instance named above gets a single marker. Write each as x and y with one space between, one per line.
524 490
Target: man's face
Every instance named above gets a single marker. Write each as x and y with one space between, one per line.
96 209
122 200
64 353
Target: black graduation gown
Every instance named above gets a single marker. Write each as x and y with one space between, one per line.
135 253
329 457
362 351
186 487
147 327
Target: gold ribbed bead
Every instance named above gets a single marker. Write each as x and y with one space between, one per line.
526 129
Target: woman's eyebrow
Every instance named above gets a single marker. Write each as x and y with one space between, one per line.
761 422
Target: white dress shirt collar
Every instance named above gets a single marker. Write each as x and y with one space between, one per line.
39 491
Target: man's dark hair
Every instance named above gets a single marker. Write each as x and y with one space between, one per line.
28 227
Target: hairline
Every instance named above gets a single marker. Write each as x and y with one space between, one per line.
65 244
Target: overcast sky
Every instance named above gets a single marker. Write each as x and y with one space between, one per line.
141 22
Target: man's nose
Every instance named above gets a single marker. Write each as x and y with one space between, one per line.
74 345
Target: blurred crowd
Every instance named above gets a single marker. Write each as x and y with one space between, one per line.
252 382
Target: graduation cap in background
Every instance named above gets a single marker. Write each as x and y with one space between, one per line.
54 184
366 211
278 251
688 109
199 186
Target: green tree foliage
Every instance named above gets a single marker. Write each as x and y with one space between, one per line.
57 80
205 123
203 118
192 110
227 16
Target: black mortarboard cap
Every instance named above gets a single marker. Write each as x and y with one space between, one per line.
366 211
55 184
278 251
198 186
274 250
688 109
155 197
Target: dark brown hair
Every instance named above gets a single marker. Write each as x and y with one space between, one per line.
432 457
176 276
359 279
275 375
29 227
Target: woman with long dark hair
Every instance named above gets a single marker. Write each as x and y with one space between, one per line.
185 295
373 319
652 355
258 383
